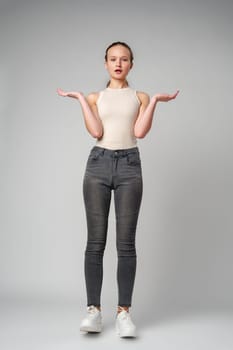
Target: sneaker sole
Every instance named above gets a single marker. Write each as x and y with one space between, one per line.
126 334
90 329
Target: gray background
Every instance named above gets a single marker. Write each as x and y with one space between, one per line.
184 237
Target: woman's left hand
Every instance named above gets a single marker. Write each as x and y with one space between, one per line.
165 97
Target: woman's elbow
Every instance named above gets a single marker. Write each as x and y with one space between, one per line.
139 134
97 134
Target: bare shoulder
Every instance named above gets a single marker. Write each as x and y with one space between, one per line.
92 97
143 97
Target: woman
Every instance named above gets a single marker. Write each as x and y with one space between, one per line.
116 117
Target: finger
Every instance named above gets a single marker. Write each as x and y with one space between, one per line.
60 91
174 95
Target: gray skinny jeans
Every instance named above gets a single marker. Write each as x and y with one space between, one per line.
120 171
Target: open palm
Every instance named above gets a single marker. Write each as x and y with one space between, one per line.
166 97
74 94
61 92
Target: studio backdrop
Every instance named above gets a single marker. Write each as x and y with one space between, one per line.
184 236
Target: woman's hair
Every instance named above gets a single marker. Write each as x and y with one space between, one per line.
122 44
115 44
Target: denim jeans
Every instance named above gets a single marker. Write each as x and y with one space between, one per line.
106 171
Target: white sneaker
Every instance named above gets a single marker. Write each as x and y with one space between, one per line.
124 325
93 321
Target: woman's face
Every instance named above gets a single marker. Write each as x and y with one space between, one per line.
118 62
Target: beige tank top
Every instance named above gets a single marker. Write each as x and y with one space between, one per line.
118 110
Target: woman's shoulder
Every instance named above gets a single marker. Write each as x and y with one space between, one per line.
93 97
143 97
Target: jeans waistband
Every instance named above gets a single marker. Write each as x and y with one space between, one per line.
115 152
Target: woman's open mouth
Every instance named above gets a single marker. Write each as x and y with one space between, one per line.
118 71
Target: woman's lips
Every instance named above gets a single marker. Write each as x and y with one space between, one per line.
118 71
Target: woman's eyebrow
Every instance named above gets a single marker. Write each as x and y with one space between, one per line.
119 56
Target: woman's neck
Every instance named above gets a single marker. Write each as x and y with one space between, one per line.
118 84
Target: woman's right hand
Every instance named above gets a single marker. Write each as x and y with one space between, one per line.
74 94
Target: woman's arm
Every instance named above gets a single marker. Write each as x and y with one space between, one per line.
146 112
92 120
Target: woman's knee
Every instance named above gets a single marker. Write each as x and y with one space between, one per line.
126 248
95 247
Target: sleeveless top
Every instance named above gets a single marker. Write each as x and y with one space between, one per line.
118 111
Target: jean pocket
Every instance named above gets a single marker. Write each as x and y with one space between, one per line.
95 154
133 159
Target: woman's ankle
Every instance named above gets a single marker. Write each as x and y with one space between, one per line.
121 308
96 306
